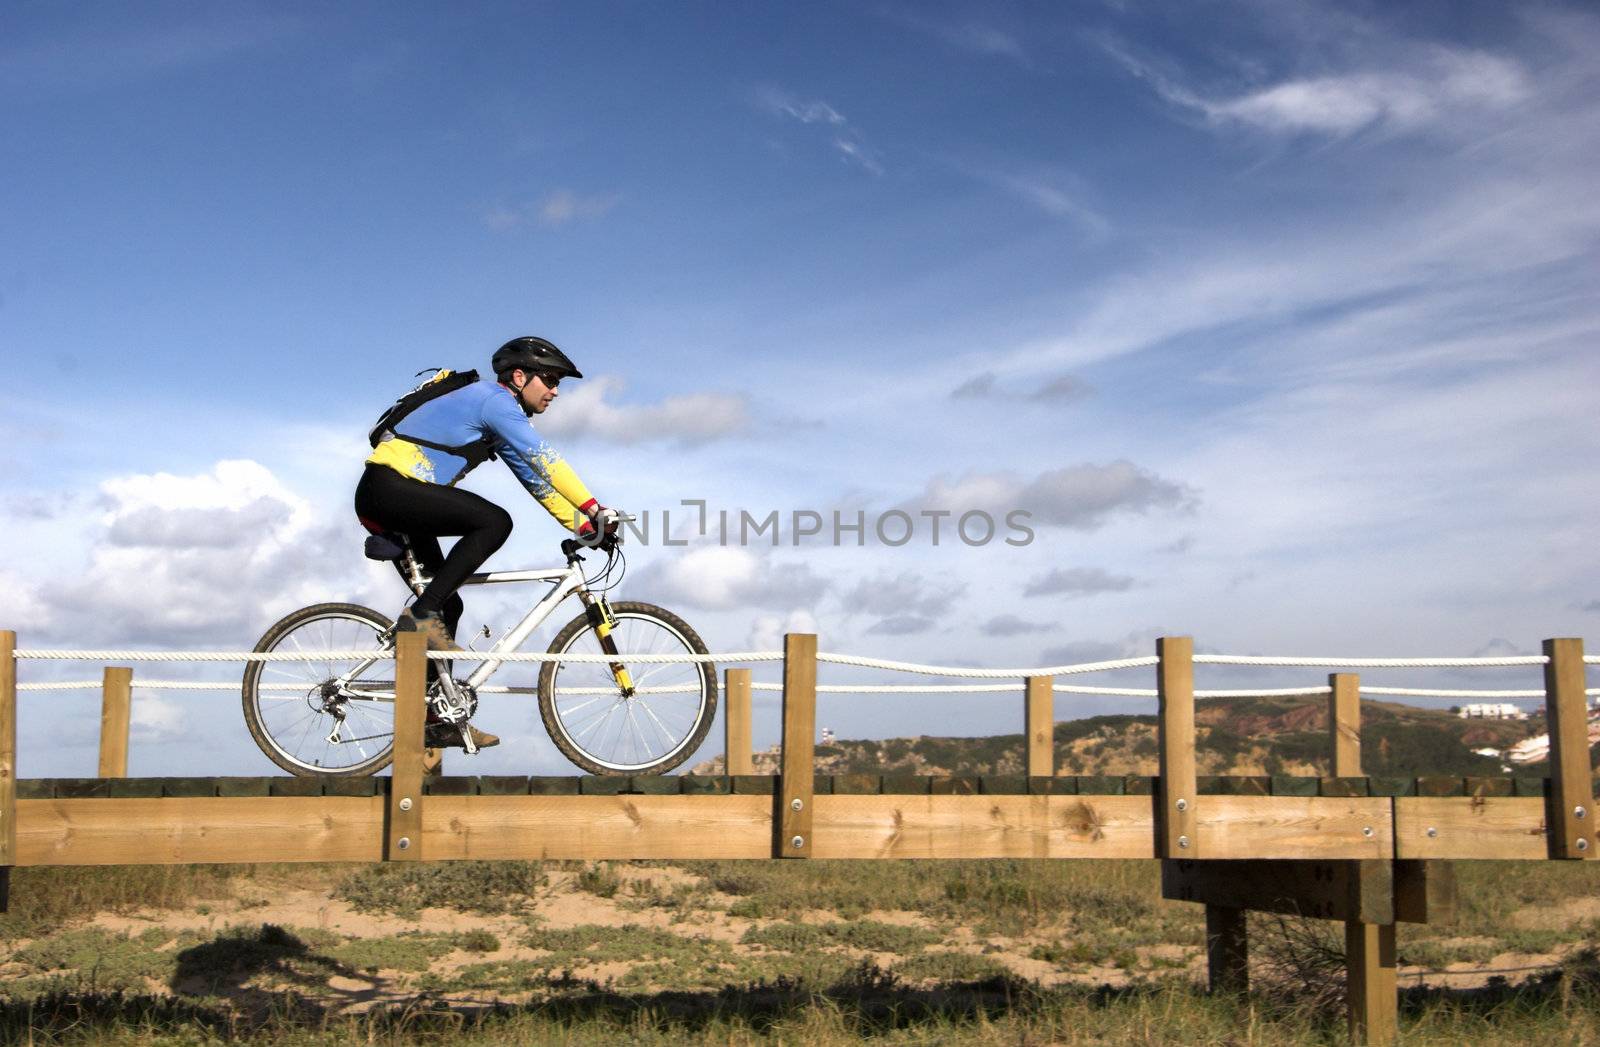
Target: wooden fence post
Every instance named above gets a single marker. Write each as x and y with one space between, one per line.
1372 1000
1175 686
1227 949
1227 944
1344 724
8 762
410 710
799 744
736 722
1567 718
1040 724
116 701
1371 994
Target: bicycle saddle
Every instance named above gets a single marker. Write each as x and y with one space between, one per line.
388 545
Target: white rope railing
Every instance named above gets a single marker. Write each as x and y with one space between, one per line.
855 661
975 673
1369 663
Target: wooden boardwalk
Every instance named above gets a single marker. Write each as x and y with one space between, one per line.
1370 851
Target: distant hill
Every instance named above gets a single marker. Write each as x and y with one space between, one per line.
1233 736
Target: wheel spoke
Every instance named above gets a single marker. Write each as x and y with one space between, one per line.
293 727
646 736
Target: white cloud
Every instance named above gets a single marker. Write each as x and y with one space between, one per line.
692 419
208 557
153 718
719 578
767 630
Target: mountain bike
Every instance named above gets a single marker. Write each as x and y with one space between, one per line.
335 715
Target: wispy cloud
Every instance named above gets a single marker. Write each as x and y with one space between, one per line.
556 208
1055 193
903 593
93 55
846 140
1078 581
1061 389
1012 625
971 35
1437 82
1082 497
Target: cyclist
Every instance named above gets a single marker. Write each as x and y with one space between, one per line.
409 485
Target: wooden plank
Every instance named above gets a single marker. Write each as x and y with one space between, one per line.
169 831
116 701
1344 724
1510 827
1325 890
984 827
8 747
1227 948
338 828
1296 827
1566 714
736 722
404 836
596 827
1372 996
799 745
1040 724
1175 735
1424 892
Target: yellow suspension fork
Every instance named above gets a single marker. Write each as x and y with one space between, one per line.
602 621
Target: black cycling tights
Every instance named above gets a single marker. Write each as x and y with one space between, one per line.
424 512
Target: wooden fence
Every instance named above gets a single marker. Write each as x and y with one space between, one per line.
1367 851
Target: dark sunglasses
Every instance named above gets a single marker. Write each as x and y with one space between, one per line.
550 379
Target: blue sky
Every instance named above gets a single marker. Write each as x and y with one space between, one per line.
1279 318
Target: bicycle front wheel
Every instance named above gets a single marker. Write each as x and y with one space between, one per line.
326 715
648 728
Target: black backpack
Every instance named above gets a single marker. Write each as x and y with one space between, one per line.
443 381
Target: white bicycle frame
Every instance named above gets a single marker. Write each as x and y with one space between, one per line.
564 582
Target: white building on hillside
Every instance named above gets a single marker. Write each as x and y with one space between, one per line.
1492 711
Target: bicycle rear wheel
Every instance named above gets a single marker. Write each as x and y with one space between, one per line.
650 729
314 717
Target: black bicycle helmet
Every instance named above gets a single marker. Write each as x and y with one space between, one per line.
533 354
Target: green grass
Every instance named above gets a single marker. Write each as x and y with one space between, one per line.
43 899
476 887
869 935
